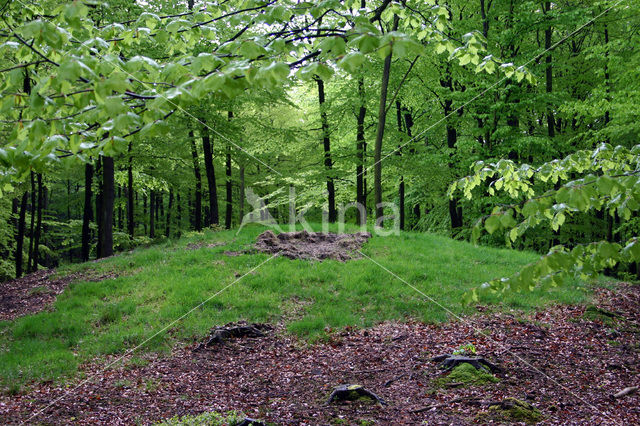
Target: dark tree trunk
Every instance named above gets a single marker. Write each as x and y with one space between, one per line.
241 204
549 72
20 234
229 189
87 215
328 162
99 215
399 152
32 210
213 218
36 245
152 214
119 208
485 21
382 117
131 225
178 214
361 146
197 207
144 212
168 222
455 211
108 187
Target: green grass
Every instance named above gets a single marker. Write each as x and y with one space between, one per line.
157 285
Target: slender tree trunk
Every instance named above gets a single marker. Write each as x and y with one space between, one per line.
108 195
399 153
20 234
178 214
144 212
241 204
455 211
32 210
197 207
99 215
361 145
607 81
549 73
152 214
119 197
87 215
168 221
485 21
382 117
36 245
131 225
213 218
328 162
229 189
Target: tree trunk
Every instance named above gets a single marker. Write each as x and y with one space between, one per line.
152 214
36 245
168 222
32 210
549 72
382 117
87 215
178 214
455 211
241 206
328 162
197 208
99 215
361 146
131 226
108 195
229 188
20 234
213 218
399 153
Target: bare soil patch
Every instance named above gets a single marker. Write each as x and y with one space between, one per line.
312 245
558 360
35 292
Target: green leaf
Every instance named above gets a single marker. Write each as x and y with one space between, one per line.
492 223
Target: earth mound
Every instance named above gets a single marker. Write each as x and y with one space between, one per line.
312 245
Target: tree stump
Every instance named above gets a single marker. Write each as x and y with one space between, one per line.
449 362
220 334
353 393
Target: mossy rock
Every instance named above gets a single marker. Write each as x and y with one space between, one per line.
466 374
512 410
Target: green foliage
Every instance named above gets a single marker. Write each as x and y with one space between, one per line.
548 195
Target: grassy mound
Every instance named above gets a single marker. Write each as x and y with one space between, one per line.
157 285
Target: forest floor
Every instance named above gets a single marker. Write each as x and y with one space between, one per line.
566 351
567 361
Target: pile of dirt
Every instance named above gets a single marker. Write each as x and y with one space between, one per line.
312 245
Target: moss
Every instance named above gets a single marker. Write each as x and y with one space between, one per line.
206 419
513 410
466 374
593 313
